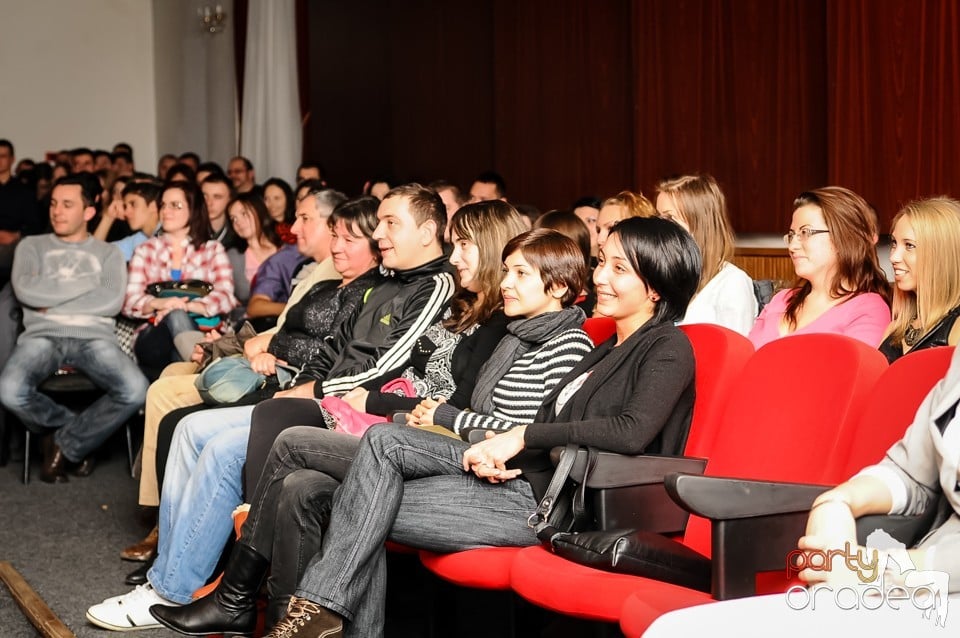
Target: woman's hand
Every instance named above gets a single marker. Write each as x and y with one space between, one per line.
196 307
830 526
166 304
265 363
423 413
357 399
255 345
487 459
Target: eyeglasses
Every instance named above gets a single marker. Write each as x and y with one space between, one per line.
176 205
803 235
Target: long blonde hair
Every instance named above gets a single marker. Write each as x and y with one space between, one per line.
936 230
704 208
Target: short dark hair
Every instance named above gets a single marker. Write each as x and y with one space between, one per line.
210 167
247 163
181 172
589 201
81 150
556 257
308 185
291 209
199 221
361 211
124 155
123 147
311 164
493 177
102 153
667 260
149 191
444 185
219 178
425 205
89 184
5 143
189 155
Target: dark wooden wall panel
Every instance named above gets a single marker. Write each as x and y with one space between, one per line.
894 126
563 103
735 89
572 97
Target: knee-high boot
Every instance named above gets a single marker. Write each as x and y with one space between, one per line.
231 608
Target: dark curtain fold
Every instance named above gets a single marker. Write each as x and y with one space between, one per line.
894 67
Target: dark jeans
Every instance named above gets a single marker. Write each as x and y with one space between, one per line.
289 509
154 345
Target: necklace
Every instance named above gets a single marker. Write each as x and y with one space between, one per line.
912 335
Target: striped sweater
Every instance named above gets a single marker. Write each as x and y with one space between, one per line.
519 393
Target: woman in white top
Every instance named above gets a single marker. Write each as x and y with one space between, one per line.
725 295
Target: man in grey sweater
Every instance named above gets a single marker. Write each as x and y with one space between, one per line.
70 286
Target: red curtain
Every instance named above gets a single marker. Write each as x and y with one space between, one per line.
894 125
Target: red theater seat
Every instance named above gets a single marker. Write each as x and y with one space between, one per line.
784 414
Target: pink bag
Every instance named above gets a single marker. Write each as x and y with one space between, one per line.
356 423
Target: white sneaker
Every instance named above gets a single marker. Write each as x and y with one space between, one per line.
130 611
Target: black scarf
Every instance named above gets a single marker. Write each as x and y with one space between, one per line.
522 335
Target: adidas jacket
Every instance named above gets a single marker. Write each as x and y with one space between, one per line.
384 331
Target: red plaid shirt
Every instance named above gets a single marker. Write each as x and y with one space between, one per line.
151 263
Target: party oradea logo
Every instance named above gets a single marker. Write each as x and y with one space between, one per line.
880 574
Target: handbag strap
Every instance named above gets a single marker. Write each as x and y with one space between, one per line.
579 504
539 520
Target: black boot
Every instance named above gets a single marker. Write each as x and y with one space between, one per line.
231 608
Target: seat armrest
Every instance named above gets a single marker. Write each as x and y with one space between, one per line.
621 470
720 498
906 529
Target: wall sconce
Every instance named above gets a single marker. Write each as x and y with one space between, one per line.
213 19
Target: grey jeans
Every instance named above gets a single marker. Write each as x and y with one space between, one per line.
409 486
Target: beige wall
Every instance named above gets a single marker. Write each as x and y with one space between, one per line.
96 72
77 73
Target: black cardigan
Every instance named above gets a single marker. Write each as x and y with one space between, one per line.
638 399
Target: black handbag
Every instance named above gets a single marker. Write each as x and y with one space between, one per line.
591 492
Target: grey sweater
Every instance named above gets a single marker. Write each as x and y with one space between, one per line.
68 289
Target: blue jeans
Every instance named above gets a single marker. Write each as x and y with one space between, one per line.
201 487
36 358
409 486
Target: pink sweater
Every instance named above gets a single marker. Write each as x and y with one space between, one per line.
864 317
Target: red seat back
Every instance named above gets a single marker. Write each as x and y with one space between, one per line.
786 411
720 356
890 408
599 329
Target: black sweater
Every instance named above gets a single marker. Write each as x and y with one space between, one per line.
638 399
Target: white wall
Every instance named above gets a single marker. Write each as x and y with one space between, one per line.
78 73
195 80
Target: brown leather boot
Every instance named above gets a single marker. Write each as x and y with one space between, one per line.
54 468
144 550
307 619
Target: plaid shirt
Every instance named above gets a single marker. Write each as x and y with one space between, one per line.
151 263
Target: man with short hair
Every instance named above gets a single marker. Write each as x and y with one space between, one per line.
82 161
241 173
164 164
16 203
488 186
381 338
101 160
452 200
191 159
310 170
70 286
122 164
217 193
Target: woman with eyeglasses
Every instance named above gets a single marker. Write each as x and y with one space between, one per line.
840 286
925 254
184 251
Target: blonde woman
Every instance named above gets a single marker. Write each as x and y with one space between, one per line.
925 254
623 205
725 294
